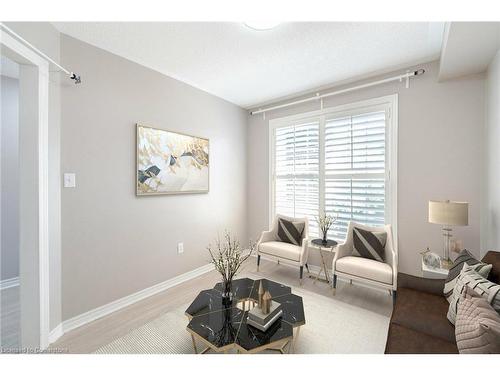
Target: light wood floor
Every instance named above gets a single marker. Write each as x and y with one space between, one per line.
92 336
10 317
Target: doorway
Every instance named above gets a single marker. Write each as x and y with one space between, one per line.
24 217
9 205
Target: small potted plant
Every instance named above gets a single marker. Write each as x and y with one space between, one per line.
227 256
325 222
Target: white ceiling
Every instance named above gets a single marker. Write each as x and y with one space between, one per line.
249 67
468 48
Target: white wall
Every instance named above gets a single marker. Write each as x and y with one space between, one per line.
9 178
440 145
114 242
491 215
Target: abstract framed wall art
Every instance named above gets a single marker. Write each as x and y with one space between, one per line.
170 162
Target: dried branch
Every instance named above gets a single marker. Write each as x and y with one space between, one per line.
325 222
227 256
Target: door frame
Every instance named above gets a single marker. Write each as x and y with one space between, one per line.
43 188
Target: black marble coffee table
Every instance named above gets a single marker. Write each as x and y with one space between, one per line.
221 324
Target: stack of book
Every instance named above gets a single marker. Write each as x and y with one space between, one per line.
256 318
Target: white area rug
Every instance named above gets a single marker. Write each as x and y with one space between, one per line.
331 327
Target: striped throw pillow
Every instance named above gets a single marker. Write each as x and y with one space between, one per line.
290 232
463 258
479 285
370 245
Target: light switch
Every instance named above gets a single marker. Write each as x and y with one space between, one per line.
69 180
180 248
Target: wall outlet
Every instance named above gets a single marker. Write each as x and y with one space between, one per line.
180 247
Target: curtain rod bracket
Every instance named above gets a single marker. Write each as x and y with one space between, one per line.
71 75
76 78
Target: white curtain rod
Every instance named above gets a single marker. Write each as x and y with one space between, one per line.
400 78
71 75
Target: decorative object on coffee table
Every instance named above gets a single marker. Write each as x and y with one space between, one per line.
325 222
259 319
227 257
448 214
329 245
210 314
261 294
266 302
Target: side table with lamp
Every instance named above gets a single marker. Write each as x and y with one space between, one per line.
448 213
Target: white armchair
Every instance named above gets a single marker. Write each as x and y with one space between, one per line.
381 274
270 246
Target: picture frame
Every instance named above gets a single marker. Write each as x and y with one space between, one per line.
170 162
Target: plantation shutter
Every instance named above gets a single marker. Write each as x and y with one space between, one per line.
296 190
355 170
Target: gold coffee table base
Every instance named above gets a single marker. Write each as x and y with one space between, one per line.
278 346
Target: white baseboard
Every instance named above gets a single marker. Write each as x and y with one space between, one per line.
56 333
99 312
9 283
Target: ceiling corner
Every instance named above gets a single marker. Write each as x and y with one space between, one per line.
468 48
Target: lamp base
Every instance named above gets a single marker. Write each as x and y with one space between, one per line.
446 264
446 246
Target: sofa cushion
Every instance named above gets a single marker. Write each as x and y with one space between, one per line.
423 312
480 285
463 258
403 340
365 268
281 250
477 325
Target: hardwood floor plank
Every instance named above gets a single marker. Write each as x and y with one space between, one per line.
10 317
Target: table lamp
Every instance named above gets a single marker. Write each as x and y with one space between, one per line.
448 214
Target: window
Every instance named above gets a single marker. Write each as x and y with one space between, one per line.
297 170
336 160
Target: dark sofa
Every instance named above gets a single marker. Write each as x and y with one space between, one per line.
418 323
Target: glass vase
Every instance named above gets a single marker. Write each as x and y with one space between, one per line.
227 293
325 239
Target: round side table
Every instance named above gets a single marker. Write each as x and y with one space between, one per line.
322 246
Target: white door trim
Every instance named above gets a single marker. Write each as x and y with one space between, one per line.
43 163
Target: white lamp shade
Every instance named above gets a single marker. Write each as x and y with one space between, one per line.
449 213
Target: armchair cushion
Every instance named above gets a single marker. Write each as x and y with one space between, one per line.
290 232
368 244
365 268
281 249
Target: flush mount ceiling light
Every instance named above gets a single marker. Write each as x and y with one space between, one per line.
261 25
